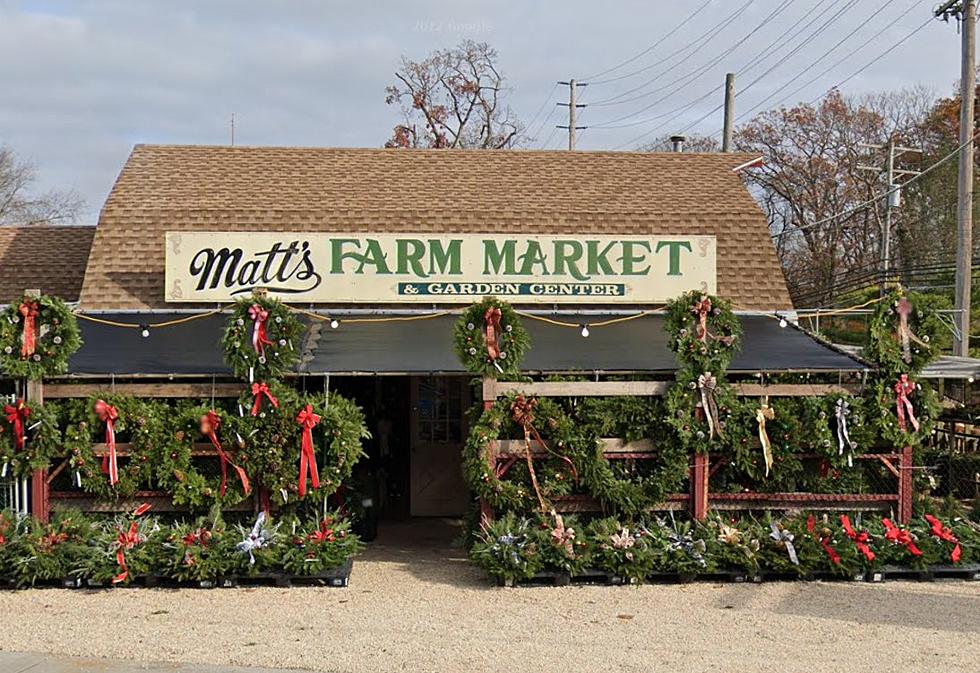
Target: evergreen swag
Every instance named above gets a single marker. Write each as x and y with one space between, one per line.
261 339
37 336
510 341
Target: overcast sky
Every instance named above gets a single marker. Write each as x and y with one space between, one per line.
82 81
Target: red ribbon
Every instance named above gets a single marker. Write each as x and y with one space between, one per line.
323 534
811 527
28 310
903 405
897 535
108 415
491 333
259 317
861 539
307 458
17 415
201 536
946 535
210 422
127 540
258 390
702 308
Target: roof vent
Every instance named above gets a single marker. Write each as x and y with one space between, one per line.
677 143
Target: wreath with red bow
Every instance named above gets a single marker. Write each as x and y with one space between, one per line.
262 340
30 437
37 336
490 340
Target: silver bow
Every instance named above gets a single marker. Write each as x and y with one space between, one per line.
707 383
257 539
841 411
782 535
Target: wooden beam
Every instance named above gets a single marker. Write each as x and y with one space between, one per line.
166 389
796 389
584 388
506 448
123 449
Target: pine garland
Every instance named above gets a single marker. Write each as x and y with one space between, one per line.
57 337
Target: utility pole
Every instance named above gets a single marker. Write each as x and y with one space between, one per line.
572 108
894 200
726 135
966 12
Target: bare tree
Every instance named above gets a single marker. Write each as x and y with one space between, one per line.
19 205
454 99
692 143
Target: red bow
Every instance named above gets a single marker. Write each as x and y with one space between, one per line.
811 527
861 539
201 536
702 309
307 458
896 535
258 390
108 415
903 405
17 415
210 422
322 534
946 535
491 331
127 540
29 310
259 316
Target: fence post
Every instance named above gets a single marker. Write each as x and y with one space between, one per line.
40 505
699 487
489 398
905 486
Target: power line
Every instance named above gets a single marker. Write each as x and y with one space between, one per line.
645 51
542 106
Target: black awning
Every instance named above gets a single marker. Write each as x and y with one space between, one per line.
425 346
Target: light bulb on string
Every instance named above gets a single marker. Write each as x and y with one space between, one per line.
144 331
334 324
585 331
782 322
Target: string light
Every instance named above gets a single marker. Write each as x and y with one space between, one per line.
782 322
144 331
334 324
585 331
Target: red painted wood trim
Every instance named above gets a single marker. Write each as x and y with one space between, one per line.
905 486
40 494
699 487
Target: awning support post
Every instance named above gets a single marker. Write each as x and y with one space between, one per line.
489 398
905 486
699 487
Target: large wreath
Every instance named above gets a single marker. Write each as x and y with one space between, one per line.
490 340
704 332
37 336
925 409
904 331
30 437
261 341
689 417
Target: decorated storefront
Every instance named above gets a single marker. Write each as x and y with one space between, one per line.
540 343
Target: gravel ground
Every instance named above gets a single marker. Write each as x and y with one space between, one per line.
415 604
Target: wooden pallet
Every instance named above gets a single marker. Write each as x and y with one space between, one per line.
969 572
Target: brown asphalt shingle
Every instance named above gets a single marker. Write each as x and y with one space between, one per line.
205 188
49 258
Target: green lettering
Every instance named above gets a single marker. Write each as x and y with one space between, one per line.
494 258
374 256
445 260
598 262
533 257
674 255
630 258
567 254
338 254
411 257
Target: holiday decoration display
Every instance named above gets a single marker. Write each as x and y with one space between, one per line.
318 547
30 438
261 339
307 457
210 422
506 548
490 340
903 333
703 331
37 336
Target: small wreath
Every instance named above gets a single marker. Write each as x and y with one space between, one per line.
704 332
567 439
903 336
925 407
140 423
508 340
37 336
42 439
261 339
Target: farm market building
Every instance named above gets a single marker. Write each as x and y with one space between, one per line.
387 245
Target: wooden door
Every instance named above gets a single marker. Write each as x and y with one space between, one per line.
438 429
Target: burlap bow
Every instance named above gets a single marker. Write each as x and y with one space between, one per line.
762 414
905 335
903 405
707 385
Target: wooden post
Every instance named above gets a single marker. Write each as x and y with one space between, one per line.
905 486
40 506
699 487
489 398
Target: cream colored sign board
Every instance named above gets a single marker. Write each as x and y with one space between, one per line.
427 268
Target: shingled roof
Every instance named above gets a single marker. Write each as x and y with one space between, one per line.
204 188
49 258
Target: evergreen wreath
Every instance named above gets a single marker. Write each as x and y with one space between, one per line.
882 399
42 438
510 341
903 336
686 414
704 332
44 350
262 338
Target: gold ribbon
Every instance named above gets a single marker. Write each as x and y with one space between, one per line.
762 414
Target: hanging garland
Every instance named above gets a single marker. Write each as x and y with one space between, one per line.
490 340
903 333
37 336
704 332
261 339
30 438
